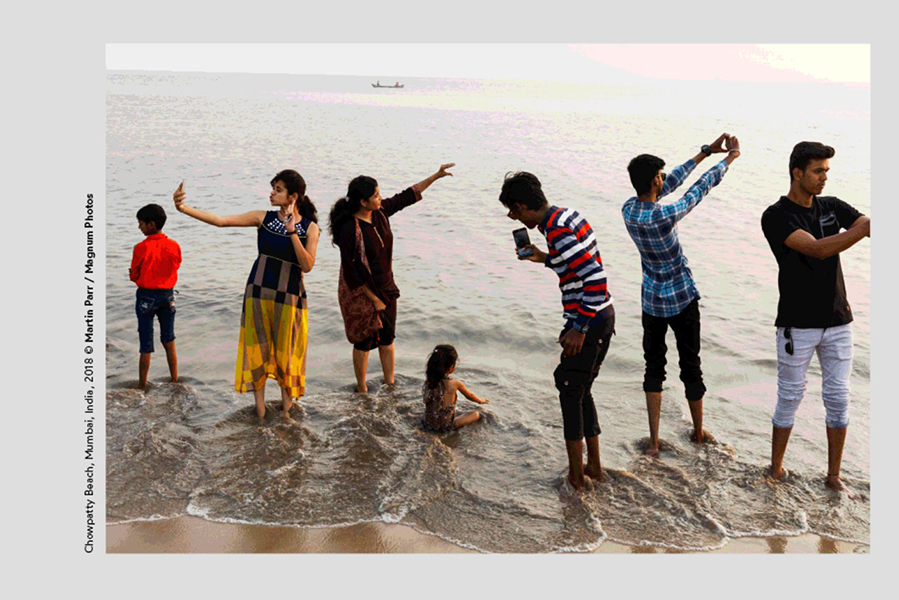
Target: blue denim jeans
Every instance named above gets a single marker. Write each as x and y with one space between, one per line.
158 303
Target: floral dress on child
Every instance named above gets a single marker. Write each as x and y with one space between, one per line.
437 416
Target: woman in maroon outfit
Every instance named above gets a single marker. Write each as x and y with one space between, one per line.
373 272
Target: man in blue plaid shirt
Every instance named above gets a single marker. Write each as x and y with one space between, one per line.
669 294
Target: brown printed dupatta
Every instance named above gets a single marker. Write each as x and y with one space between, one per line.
360 319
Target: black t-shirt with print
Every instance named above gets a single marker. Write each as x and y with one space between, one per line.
812 292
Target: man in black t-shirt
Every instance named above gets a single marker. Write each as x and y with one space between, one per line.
813 315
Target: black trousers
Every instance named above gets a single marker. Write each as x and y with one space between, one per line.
686 332
574 379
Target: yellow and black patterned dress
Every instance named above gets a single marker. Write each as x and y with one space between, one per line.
274 324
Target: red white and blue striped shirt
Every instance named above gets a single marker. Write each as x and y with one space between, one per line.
574 256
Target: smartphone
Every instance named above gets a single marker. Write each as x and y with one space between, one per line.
521 240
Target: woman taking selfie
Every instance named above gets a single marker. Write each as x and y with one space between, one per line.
273 325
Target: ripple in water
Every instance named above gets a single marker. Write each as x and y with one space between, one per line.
347 458
496 486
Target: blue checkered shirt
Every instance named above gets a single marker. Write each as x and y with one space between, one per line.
668 286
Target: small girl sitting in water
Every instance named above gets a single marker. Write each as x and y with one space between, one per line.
439 392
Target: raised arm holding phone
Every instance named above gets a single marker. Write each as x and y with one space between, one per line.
286 237
669 294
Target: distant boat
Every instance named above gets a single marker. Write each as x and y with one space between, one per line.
395 86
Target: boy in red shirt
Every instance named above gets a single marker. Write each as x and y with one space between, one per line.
154 268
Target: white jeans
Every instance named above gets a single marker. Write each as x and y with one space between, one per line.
834 348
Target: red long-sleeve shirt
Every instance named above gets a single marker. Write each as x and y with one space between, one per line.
155 262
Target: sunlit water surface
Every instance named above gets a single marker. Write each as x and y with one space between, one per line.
196 447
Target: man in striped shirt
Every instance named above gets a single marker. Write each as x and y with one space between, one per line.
669 294
588 311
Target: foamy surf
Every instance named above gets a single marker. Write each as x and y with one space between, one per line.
350 458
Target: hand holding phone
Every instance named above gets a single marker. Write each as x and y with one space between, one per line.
522 241
179 197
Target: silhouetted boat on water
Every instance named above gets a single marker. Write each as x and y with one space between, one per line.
395 86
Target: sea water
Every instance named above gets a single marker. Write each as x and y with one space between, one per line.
196 447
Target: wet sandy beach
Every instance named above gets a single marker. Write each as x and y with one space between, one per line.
190 534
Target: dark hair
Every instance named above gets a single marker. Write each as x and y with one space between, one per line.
152 213
441 360
522 188
643 169
361 188
805 152
295 184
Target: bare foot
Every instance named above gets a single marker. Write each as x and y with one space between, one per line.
578 486
651 450
285 415
778 475
834 483
361 390
594 474
704 436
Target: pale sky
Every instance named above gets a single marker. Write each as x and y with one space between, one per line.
612 63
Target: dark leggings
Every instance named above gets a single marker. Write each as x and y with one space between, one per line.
686 332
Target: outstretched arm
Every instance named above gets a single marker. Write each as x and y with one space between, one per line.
253 218
680 209
678 176
471 395
715 147
441 172
680 173
411 195
805 243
